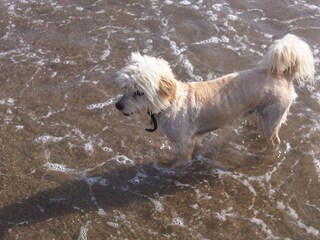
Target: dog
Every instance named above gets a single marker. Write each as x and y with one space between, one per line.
185 111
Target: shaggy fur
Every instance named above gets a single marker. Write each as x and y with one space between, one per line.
186 111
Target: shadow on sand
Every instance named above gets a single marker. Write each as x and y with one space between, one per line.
77 194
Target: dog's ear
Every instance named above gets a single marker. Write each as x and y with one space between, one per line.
167 88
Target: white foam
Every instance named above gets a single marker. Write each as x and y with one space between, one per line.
177 221
179 184
84 231
264 227
157 205
224 213
48 138
217 7
103 182
311 230
88 147
317 167
195 206
105 54
91 180
185 2
101 105
19 127
101 212
7 101
280 205
163 170
56 167
140 176
202 196
84 80
213 40
294 215
107 149
113 224
123 160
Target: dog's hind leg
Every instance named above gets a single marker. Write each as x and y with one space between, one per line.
271 118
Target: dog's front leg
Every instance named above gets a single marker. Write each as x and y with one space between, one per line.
184 153
198 143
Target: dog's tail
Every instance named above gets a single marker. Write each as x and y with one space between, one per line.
290 57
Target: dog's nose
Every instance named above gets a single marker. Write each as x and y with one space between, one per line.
119 106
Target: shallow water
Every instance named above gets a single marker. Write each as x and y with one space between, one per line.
72 167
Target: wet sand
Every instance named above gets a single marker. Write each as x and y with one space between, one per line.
72 167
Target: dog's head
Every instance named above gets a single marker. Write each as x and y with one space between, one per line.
148 83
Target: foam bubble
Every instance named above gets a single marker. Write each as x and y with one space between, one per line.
280 205
157 205
91 180
164 22
177 222
103 181
123 160
19 127
102 212
217 7
57 167
141 175
48 138
135 180
213 40
105 54
8 101
53 74
187 64
101 105
79 9
84 231
164 171
113 224
88 147
222 216
107 149
317 166
292 213
57 60
232 17
195 206
185 2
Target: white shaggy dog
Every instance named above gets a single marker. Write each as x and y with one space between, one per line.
186 111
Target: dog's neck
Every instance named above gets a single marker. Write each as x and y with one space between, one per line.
155 117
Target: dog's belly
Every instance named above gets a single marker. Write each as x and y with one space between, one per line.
217 118
206 130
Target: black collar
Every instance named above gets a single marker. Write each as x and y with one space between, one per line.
154 122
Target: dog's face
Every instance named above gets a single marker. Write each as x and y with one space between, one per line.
148 84
133 100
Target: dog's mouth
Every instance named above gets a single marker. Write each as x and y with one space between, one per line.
127 114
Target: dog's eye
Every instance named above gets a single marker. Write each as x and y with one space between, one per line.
138 93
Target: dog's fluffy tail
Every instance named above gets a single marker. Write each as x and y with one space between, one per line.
290 57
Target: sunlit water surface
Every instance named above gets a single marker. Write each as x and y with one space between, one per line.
72 167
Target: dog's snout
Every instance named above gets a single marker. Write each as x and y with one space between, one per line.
119 106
